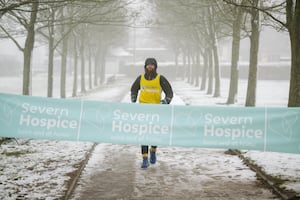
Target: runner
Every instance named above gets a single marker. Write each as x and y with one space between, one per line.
150 85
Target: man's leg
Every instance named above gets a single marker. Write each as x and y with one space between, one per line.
153 154
145 162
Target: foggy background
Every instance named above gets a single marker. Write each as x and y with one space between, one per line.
115 37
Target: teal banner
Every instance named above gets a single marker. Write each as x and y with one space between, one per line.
249 128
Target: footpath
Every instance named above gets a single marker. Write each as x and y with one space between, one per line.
113 172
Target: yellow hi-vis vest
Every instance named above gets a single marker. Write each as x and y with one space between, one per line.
150 90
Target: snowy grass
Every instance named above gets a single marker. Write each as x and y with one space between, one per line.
38 169
270 93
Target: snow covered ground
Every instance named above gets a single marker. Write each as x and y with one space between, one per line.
38 169
269 93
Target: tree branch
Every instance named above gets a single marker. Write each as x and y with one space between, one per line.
12 38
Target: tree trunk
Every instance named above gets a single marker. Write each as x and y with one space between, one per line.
96 67
254 46
63 71
189 67
217 92
210 72
197 69
204 70
235 53
102 68
75 75
50 53
183 72
90 69
50 66
29 43
82 58
63 68
214 43
193 68
293 22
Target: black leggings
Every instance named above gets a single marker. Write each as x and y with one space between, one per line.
145 148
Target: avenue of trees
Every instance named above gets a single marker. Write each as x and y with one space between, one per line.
79 31
82 31
199 25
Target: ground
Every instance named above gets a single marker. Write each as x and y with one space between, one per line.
114 172
37 169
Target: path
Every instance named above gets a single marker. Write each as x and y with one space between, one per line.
113 172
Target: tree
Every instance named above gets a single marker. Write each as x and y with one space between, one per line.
29 43
235 52
75 73
214 46
293 26
9 6
57 28
254 45
28 24
274 12
204 70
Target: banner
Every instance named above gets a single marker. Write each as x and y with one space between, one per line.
250 128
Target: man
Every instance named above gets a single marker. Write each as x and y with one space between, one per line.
150 85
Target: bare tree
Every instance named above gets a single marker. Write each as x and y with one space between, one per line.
254 46
75 67
210 72
214 45
9 6
64 55
293 26
204 70
27 20
235 53
274 12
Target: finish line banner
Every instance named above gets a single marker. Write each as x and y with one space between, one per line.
249 128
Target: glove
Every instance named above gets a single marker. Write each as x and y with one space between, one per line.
133 98
163 101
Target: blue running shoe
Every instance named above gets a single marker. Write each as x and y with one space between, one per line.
145 163
152 157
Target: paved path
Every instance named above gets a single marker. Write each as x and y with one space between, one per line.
114 172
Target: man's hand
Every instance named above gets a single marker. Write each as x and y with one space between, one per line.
133 98
163 101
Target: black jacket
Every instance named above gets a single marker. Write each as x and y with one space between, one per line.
164 83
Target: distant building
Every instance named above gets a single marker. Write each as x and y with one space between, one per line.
160 54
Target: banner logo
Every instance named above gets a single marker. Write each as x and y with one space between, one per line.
232 127
286 124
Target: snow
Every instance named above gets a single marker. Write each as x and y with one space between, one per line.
41 169
38 169
269 93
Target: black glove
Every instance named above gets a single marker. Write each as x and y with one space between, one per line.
163 101
133 98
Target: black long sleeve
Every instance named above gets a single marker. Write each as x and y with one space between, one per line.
135 89
166 87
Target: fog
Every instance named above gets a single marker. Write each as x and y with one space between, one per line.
142 43
167 31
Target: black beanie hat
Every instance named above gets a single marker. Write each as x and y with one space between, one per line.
151 61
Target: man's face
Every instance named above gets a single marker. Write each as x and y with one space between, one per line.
150 67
